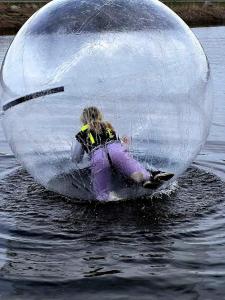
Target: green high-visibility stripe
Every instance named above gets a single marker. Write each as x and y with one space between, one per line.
91 138
85 127
109 131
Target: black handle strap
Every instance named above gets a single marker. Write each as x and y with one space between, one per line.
32 96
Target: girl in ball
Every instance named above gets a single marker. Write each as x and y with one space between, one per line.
98 138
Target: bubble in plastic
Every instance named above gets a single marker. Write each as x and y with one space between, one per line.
136 60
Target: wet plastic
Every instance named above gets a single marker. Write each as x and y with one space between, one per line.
135 60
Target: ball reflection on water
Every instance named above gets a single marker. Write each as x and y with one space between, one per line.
135 60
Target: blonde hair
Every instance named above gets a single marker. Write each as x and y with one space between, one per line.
94 118
90 115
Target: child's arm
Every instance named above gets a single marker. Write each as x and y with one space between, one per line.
77 152
125 141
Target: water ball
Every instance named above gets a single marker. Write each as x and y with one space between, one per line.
135 60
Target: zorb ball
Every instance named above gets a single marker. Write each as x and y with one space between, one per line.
135 60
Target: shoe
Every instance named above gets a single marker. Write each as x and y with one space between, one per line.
161 176
151 184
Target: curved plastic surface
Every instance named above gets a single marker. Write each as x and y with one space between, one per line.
135 60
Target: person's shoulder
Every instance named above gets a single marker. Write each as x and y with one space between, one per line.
82 131
80 135
109 125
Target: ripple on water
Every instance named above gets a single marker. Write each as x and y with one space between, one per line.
168 248
48 238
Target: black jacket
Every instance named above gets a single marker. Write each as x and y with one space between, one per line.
90 139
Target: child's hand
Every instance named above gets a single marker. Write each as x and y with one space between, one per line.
125 140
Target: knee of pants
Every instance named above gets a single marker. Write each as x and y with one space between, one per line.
137 177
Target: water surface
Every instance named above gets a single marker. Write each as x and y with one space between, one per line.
171 247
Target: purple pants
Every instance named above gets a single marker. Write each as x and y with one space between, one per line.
122 161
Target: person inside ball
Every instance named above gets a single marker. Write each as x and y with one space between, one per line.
107 151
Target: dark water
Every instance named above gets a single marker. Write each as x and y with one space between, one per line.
173 246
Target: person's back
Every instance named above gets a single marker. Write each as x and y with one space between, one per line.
98 138
95 135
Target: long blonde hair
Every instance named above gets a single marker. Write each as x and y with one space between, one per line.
94 118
